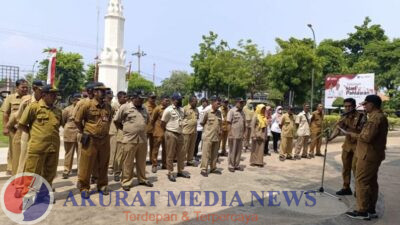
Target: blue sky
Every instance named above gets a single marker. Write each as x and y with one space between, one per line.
169 31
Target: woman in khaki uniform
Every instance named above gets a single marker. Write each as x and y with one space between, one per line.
258 126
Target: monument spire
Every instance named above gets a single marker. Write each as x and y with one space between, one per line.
112 59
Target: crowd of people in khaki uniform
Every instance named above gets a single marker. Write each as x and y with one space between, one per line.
115 137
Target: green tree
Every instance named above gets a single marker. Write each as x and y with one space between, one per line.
69 72
136 81
89 73
179 81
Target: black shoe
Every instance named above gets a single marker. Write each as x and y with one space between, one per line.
223 154
85 194
65 176
117 178
126 188
297 157
216 171
282 158
372 214
239 168
358 215
231 170
104 190
319 154
184 175
289 158
344 192
154 169
146 183
171 178
304 156
163 167
204 173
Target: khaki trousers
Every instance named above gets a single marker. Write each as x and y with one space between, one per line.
174 142
118 163
235 152
247 133
157 142
224 138
189 140
302 143
349 161
10 150
16 151
150 138
43 164
97 152
113 150
133 152
70 149
24 152
316 143
209 152
286 146
367 187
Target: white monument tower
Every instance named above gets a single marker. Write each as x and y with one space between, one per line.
112 68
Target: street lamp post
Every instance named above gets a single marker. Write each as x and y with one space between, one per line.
312 71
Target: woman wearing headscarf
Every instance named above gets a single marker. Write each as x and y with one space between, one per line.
258 125
275 129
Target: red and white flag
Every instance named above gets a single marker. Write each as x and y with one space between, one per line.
51 73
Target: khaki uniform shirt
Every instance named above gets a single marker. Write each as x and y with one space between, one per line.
113 129
134 121
287 123
44 124
371 142
238 123
96 118
303 120
149 107
10 107
317 120
68 122
224 114
155 120
249 113
25 101
256 131
212 122
351 123
190 117
173 118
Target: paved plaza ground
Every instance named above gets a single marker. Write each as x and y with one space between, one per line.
280 177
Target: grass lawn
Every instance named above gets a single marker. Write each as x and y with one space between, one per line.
3 139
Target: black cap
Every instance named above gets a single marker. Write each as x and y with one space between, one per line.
38 83
215 98
240 100
374 99
77 95
136 93
176 96
89 86
49 89
152 95
99 86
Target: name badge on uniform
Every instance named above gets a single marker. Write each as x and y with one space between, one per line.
105 118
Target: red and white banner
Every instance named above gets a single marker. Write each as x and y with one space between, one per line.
356 86
51 73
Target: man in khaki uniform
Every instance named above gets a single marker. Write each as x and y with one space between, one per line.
224 136
371 146
158 135
288 130
317 119
42 120
93 119
115 163
212 122
70 136
190 117
9 108
249 113
352 122
132 118
303 132
171 122
150 106
13 123
236 125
